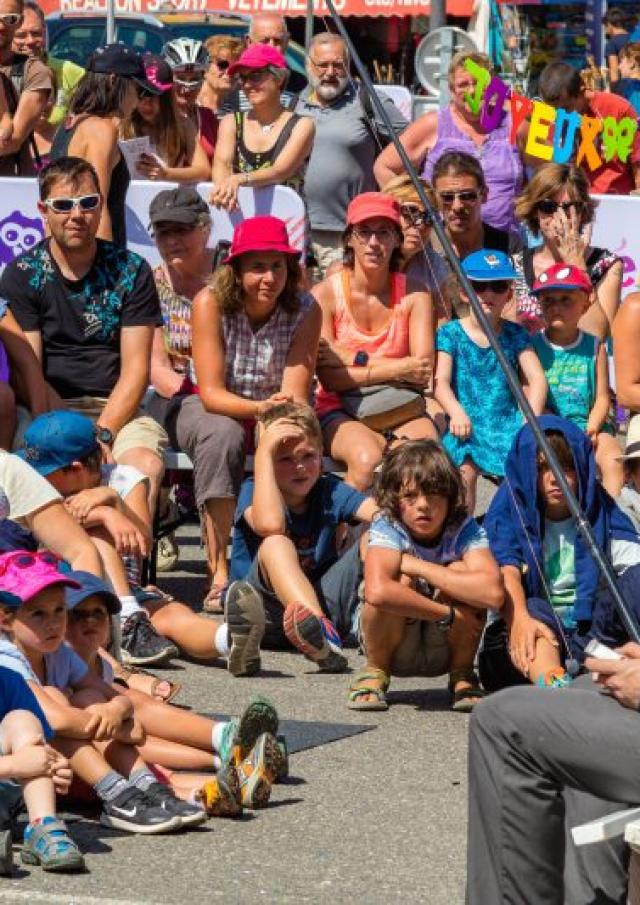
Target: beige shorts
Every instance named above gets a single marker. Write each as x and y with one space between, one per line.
327 248
423 651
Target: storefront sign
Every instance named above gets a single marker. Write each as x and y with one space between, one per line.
282 7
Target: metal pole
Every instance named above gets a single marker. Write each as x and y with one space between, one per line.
111 21
308 26
583 525
438 15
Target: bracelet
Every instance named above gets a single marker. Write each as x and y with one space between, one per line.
446 622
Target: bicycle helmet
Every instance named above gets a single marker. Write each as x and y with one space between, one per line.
186 53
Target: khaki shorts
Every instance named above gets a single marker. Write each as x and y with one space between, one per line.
327 248
423 651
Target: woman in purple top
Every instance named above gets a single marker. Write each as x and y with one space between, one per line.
456 128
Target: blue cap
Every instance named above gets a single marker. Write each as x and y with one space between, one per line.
10 600
57 439
488 264
90 585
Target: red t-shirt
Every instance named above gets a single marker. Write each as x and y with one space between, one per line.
208 124
614 177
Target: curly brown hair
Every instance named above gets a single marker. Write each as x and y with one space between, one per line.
226 285
421 465
547 181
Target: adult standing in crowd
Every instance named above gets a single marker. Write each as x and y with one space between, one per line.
28 85
269 145
561 85
457 128
106 95
617 35
348 138
30 39
223 50
254 339
89 310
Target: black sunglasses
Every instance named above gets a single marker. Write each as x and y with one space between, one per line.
497 286
547 206
467 196
415 215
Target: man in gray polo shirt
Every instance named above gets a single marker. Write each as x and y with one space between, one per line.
345 145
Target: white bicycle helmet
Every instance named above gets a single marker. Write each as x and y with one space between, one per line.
186 53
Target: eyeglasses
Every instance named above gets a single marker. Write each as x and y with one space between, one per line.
188 86
66 205
98 613
221 65
547 206
364 234
10 19
338 65
24 560
254 76
415 215
279 41
467 196
497 286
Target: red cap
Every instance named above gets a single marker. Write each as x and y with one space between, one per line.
258 56
370 205
261 234
562 276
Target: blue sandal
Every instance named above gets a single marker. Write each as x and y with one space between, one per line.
48 844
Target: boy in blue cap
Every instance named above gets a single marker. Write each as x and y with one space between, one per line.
470 384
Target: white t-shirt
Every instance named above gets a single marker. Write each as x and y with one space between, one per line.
122 478
23 490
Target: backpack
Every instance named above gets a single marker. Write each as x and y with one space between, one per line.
13 86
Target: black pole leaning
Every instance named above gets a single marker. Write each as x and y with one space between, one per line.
602 561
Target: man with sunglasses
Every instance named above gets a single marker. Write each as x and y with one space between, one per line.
348 139
28 85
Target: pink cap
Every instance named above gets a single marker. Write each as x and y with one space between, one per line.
562 276
370 205
261 234
25 574
258 56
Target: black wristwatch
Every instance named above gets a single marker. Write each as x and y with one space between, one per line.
104 435
446 622
361 359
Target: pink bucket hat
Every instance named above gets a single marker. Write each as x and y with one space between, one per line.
261 234
258 56
25 574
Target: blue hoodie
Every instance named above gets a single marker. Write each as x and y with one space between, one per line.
515 520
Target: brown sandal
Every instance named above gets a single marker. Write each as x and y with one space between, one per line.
124 673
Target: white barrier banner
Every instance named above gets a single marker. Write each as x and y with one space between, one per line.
21 225
616 228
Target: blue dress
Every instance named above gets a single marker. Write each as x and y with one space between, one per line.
482 390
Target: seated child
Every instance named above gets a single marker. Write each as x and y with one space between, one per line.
575 365
177 738
429 579
285 546
470 384
554 602
26 757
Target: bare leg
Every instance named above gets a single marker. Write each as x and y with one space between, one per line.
358 447
418 429
111 561
195 635
607 450
464 638
280 565
172 723
21 729
383 633
150 464
174 755
218 519
8 417
469 474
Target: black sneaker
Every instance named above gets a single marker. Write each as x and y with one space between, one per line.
6 853
161 796
132 812
141 644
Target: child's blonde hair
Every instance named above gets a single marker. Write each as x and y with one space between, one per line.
299 414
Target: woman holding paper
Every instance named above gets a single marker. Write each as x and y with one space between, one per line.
457 128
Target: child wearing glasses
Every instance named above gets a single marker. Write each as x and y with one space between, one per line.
470 384
575 365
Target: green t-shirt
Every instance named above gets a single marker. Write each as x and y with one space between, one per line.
67 76
571 375
559 566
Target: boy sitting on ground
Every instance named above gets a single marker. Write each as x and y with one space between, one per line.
429 579
554 603
285 543
26 757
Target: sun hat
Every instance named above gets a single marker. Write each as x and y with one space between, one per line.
632 446
562 276
25 574
89 585
158 71
258 56
179 205
117 59
56 439
261 234
370 205
488 264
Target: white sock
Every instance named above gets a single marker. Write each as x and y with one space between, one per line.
222 640
217 734
129 606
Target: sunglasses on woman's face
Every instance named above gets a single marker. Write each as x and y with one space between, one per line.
253 76
66 205
415 215
547 206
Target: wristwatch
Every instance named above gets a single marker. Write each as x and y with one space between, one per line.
104 435
361 359
446 622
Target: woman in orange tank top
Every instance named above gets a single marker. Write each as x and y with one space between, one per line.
377 329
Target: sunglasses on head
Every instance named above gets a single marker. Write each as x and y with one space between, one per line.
467 196
66 205
10 18
497 286
221 65
415 215
24 560
547 206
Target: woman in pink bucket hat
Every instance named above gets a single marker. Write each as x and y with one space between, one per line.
255 338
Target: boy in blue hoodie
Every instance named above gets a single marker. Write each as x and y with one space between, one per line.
554 603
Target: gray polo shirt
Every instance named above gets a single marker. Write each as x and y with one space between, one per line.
341 162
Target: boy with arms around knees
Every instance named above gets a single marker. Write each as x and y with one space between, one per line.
285 544
429 579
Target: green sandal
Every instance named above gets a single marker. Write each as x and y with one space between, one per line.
465 699
362 686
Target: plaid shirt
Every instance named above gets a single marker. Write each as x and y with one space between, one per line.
255 360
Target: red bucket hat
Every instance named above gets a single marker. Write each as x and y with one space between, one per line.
562 276
258 56
370 205
261 234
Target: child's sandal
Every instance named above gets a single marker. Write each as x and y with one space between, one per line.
49 845
123 674
362 687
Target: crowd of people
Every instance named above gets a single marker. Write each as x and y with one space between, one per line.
260 359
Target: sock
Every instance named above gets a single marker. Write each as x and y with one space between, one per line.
142 778
129 606
222 640
218 733
110 786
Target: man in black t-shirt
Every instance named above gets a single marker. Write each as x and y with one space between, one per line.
89 310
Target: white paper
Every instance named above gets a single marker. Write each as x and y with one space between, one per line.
132 148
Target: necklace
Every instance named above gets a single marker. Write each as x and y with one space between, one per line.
267 127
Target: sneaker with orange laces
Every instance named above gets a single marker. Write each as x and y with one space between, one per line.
315 636
258 771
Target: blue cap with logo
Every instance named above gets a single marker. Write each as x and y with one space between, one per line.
488 264
57 439
90 585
